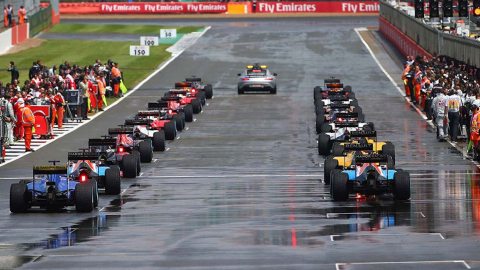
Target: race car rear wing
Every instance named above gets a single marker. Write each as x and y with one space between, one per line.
102 142
50 169
347 124
339 106
171 98
334 85
327 81
161 104
374 158
357 146
138 122
193 79
363 133
74 156
347 115
178 92
180 85
152 112
338 97
118 131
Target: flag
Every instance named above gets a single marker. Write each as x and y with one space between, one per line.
123 87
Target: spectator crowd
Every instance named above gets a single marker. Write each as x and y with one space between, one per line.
64 89
448 91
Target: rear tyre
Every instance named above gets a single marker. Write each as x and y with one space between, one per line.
354 103
170 130
324 144
129 166
168 94
329 165
18 198
159 141
339 186
112 180
326 127
240 91
316 89
146 151
188 110
136 154
337 149
371 125
84 199
196 106
348 89
179 121
402 185
208 91
389 149
95 192
319 122
273 91
351 95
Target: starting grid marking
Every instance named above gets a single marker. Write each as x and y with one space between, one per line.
341 266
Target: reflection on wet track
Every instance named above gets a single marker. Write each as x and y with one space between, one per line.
242 188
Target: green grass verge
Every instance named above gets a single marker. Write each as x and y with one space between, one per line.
118 29
55 52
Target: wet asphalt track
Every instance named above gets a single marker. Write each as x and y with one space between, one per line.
240 189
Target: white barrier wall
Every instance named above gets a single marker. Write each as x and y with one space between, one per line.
5 40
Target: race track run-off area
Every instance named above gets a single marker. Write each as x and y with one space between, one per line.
242 187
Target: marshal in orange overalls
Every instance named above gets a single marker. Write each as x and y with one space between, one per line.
28 121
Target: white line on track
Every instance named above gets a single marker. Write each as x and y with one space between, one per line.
368 213
235 176
338 265
390 234
173 57
357 30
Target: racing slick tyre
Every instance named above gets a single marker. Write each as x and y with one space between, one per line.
208 91
358 110
159 141
168 94
348 89
240 91
316 89
319 109
178 121
324 144
354 103
202 98
146 151
371 125
319 123
95 192
390 164
337 149
18 198
329 165
130 166
326 127
339 186
389 149
273 91
188 110
197 107
139 162
84 198
401 181
318 96
170 130
351 95
112 180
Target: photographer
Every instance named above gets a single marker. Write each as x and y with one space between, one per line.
8 116
14 71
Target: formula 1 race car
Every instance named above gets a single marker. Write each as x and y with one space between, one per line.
182 97
198 84
323 104
343 153
161 120
117 160
338 130
127 152
334 113
370 174
143 130
51 188
191 91
332 85
257 78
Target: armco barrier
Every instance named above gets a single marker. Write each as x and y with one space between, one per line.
403 43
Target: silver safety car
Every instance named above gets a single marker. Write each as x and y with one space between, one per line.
257 78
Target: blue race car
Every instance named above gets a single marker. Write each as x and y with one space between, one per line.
93 165
370 174
52 188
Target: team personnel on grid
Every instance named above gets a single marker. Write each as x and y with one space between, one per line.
7 110
452 109
438 106
475 129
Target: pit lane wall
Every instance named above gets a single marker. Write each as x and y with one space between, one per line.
225 8
413 37
13 35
